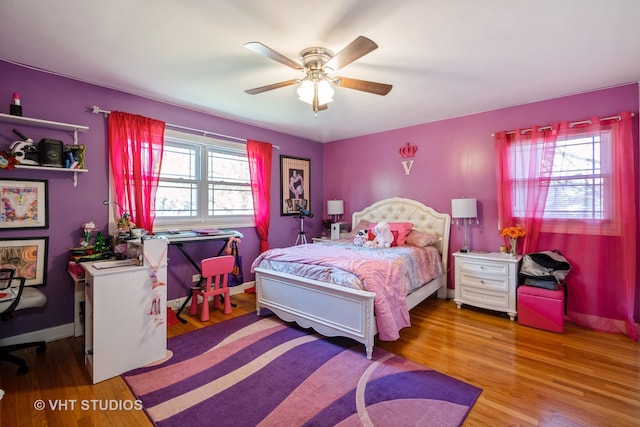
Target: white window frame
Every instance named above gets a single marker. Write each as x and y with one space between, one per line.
202 220
608 224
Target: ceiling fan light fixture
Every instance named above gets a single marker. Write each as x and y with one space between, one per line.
307 88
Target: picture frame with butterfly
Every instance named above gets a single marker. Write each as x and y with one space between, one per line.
24 203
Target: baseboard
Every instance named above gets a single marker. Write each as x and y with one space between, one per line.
48 335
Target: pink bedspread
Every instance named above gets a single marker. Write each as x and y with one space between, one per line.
386 272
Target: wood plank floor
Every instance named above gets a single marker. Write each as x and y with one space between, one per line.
529 377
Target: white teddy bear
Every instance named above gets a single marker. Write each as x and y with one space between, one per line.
383 234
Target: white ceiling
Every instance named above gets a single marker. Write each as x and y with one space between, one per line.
444 58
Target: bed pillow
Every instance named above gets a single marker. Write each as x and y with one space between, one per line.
419 238
362 225
403 229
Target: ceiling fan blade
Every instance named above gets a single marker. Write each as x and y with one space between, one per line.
276 56
261 89
363 85
356 49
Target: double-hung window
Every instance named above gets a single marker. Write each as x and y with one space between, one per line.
579 182
203 182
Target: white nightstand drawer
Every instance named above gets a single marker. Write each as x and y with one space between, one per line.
490 300
495 283
485 267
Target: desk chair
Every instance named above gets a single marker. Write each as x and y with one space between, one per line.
25 297
216 272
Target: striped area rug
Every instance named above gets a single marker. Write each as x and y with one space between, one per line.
260 371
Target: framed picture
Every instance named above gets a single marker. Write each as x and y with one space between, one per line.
295 190
28 256
24 203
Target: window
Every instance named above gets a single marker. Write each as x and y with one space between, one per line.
203 181
579 183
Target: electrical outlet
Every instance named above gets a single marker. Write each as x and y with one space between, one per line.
195 278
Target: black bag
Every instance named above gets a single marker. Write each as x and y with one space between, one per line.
236 277
548 266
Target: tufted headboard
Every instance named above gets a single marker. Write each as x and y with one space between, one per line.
424 218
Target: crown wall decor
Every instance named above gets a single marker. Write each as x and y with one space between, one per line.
408 150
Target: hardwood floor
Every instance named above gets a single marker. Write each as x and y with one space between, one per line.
529 377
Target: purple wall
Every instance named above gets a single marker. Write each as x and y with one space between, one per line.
455 158
49 97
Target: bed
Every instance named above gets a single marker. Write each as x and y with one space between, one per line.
335 310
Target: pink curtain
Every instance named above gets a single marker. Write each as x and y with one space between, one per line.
135 149
534 168
260 154
603 284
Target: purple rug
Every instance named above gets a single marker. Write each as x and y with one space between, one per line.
250 371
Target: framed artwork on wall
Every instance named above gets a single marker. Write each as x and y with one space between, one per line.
24 204
295 192
28 256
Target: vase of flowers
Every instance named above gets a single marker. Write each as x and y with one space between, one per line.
511 236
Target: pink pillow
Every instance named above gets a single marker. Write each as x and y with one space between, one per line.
403 229
419 238
363 224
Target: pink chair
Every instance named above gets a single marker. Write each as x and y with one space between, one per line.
216 272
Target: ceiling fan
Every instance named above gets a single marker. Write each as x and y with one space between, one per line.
319 64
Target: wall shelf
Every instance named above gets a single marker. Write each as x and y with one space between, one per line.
28 121
7 118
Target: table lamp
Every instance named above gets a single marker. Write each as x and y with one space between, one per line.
335 208
464 210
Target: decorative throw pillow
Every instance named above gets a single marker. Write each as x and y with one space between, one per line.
403 229
419 238
362 225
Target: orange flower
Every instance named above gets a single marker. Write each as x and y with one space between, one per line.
513 232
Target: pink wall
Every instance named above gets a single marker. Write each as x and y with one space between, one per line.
455 159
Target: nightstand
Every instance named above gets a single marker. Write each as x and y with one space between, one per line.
487 280
329 240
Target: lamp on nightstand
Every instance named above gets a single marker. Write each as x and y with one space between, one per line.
465 210
335 208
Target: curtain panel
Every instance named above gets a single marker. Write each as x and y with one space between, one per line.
136 145
603 286
260 158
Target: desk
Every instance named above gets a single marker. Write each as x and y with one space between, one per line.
187 237
123 332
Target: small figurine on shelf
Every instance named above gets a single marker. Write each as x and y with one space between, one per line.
87 227
125 225
100 244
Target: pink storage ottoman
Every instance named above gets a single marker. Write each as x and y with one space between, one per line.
541 308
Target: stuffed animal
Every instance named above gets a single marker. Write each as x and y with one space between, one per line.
383 234
361 238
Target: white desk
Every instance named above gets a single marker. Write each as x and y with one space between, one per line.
121 334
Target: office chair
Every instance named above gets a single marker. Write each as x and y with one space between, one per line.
17 297
216 272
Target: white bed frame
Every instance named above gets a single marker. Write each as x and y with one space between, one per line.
333 310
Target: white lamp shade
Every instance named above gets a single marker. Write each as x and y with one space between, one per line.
464 208
335 207
307 88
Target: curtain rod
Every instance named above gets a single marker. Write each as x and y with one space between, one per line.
571 124
97 110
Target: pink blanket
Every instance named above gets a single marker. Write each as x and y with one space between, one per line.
386 272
